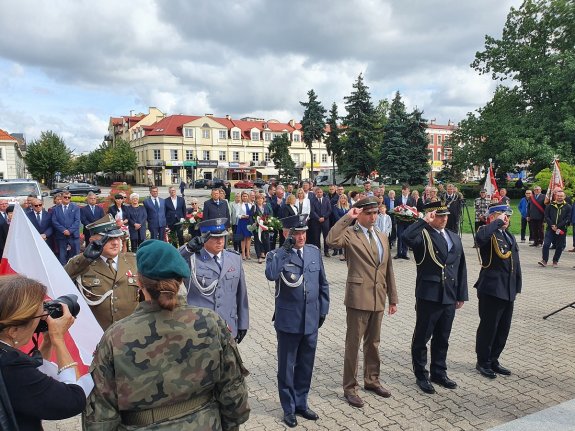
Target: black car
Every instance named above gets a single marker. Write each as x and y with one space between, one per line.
76 189
201 183
216 183
259 182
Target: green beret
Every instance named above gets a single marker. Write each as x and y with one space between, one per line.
160 260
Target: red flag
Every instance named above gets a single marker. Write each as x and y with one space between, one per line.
26 253
491 184
555 181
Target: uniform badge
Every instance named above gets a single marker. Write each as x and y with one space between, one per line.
293 277
96 281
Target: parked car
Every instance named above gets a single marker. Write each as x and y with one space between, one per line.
201 183
76 189
215 183
258 182
19 189
244 184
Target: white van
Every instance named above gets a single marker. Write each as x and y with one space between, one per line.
19 189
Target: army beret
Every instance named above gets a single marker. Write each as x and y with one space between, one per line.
160 260
367 203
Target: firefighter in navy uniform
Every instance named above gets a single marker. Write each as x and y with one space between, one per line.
301 305
440 289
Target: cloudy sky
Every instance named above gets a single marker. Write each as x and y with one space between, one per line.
68 65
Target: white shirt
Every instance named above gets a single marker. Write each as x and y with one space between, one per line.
115 259
447 238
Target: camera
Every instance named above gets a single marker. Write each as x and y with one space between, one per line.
54 309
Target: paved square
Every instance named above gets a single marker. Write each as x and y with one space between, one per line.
540 353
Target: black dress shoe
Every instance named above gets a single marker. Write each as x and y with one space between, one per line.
308 414
444 381
290 420
426 386
396 257
486 372
500 370
405 257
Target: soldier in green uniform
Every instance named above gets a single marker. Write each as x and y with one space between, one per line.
104 275
168 366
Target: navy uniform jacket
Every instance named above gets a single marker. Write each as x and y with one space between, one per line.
45 225
499 277
230 298
434 283
298 309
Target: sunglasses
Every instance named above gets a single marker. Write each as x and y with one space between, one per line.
36 206
66 197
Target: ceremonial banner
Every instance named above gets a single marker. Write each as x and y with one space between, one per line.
491 184
26 253
555 180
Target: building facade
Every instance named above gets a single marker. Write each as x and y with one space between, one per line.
12 163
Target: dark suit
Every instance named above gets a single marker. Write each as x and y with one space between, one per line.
68 245
87 217
320 209
139 216
174 214
45 225
498 284
219 209
297 313
390 204
276 206
536 217
453 203
156 218
3 233
441 282
402 225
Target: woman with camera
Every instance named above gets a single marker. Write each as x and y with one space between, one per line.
32 389
167 365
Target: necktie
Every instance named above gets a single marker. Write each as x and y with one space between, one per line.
299 254
444 236
111 265
157 204
217 263
300 208
373 245
65 208
92 208
38 218
320 201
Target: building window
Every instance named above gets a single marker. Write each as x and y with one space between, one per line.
157 155
188 132
324 158
267 157
236 135
268 136
430 139
206 155
255 157
206 133
223 134
222 156
296 137
295 158
255 136
189 155
431 155
438 154
236 156
173 154
1 175
315 158
1 153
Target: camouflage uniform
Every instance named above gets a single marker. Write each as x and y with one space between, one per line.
94 278
156 358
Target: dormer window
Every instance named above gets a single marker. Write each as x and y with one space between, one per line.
255 136
188 132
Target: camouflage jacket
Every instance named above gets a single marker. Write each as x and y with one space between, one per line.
156 358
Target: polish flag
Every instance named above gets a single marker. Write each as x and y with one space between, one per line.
26 253
555 181
491 184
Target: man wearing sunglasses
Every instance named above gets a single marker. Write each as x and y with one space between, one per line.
66 224
40 218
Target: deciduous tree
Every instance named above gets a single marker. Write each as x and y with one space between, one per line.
46 156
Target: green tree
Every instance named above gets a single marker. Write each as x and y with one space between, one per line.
46 156
394 160
94 162
120 158
360 130
417 141
313 124
567 174
279 154
333 143
78 165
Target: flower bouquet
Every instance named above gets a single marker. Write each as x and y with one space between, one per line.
406 213
194 217
265 223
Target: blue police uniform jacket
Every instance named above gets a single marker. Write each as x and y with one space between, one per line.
230 297
441 276
500 274
298 309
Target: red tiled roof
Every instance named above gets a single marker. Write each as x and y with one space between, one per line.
116 121
441 126
4 136
171 125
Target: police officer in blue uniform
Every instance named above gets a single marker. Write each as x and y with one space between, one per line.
217 279
440 289
301 305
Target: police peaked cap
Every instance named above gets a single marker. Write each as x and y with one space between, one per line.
500 208
295 222
215 227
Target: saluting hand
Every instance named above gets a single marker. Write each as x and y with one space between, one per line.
429 217
354 212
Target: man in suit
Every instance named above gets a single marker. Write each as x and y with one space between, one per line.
156 211
440 289
89 214
216 208
104 275
404 199
301 305
557 218
370 280
498 284
453 203
66 224
319 220
175 208
41 219
217 279
535 216
4 224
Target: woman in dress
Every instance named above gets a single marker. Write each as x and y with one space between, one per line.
340 209
244 220
235 208
137 219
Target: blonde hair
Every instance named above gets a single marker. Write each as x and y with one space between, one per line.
346 205
164 292
290 200
20 298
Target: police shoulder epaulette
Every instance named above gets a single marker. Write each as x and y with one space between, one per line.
231 250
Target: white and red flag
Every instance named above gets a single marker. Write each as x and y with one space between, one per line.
26 253
491 184
555 182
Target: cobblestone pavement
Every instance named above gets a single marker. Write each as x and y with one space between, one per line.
539 352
